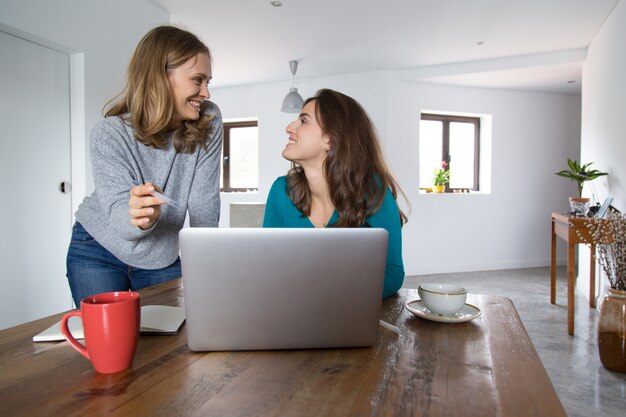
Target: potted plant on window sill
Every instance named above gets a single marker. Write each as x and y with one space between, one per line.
441 178
580 174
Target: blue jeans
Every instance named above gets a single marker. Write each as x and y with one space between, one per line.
91 269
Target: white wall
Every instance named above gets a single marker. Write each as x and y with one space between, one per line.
100 36
603 122
533 134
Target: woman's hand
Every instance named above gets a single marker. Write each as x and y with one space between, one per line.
144 209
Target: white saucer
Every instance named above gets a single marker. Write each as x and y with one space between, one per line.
468 312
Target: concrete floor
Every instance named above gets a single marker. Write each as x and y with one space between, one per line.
584 386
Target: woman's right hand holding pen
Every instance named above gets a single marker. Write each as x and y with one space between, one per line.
144 209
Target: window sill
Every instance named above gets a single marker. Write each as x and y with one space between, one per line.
239 192
426 191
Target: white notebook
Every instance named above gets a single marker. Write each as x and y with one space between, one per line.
154 320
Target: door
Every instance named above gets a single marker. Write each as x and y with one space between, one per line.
35 217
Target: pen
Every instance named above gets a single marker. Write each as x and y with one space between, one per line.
390 327
165 199
162 197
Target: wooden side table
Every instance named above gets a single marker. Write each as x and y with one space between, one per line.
574 231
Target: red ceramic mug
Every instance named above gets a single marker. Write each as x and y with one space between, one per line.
111 324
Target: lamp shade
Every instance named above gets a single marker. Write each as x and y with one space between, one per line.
292 103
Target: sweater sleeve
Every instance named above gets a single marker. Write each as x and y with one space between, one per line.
388 217
113 177
204 196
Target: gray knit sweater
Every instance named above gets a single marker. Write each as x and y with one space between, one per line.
119 162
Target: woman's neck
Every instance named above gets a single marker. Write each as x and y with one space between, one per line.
174 124
322 207
317 184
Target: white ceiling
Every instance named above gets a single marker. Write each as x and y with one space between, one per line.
534 45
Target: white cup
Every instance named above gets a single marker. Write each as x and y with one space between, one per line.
444 299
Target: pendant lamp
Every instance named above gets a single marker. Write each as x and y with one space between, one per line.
292 103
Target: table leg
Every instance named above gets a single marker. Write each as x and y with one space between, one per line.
592 277
553 267
571 286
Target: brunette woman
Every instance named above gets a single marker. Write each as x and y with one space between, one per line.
338 178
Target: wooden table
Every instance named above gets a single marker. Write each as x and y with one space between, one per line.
574 231
486 367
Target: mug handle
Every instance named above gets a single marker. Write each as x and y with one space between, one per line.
68 335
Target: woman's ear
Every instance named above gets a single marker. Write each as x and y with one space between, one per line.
326 145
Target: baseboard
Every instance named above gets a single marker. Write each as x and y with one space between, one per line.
450 268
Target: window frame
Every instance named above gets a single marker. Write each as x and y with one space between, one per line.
226 188
446 119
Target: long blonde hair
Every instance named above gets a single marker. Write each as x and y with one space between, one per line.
146 103
355 169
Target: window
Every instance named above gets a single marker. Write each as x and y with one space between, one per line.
240 157
454 139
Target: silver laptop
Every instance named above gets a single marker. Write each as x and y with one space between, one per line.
255 288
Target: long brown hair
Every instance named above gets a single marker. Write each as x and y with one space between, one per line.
355 169
146 103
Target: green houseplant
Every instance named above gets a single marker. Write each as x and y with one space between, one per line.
441 178
580 174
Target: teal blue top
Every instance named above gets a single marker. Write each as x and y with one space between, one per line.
280 211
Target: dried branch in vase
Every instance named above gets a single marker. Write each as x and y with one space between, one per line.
609 235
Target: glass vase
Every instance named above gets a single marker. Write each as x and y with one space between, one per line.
612 330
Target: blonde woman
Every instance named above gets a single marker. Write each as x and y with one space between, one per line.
161 134
338 178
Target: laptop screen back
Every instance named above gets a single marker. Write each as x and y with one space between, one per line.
255 288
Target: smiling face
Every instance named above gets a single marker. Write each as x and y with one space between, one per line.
189 87
307 142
